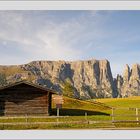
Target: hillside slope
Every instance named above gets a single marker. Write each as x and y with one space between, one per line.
75 107
132 102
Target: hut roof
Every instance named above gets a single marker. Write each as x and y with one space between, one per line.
30 84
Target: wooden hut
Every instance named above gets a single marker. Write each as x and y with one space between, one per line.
24 98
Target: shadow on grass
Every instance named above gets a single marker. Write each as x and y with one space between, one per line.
77 112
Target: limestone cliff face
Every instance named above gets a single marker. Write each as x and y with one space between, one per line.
79 79
125 81
126 74
131 81
119 83
89 79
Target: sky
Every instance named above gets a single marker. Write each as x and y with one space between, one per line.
26 36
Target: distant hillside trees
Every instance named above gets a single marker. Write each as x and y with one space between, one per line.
3 80
67 88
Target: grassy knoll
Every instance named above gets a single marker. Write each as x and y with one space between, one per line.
129 103
74 110
132 102
75 107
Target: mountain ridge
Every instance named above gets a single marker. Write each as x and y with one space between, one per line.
83 79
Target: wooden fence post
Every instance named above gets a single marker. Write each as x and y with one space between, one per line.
26 118
137 117
86 116
57 111
57 115
113 114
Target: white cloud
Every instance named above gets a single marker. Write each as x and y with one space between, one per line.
37 35
48 39
45 42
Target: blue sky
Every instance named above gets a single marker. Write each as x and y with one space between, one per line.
70 35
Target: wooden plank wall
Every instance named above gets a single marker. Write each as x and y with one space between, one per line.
24 100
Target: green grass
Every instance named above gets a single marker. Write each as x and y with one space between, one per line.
132 102
55 126
74 110
72 105
126 106
71 126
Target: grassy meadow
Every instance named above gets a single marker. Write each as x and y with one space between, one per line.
72 115
132 102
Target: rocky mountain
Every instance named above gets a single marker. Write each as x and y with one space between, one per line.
78 79
129 83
